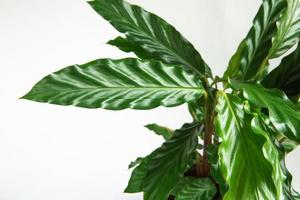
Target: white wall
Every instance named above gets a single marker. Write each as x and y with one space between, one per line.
50 152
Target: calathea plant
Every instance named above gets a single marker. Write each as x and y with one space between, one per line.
245 123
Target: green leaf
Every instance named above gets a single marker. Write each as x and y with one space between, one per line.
243 165
128 46
215 171
286 145
272 155
138 176
170 162
284 114
254 49
196 109
288 30
151 33
286 76
136 162
161 130
118 84
276 156
194 189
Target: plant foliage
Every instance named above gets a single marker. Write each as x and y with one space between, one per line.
235 147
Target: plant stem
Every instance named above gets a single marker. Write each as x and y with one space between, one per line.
203 167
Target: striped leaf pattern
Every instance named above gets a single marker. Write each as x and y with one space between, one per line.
288 30
158 173
170 162
276 156
254 49
284 114
151 33
118 84
286 76
243 165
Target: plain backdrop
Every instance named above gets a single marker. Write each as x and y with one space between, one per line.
50 152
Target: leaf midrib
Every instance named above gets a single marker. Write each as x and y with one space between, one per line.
170 50
281 39
138 88
245 149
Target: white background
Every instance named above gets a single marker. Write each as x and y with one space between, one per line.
49 152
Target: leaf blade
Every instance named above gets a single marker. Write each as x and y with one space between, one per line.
248 174
118 84
165 132
128 46
253 51
194 189
151 33
138 175
170 162
284 114
288 30
275 154
286 76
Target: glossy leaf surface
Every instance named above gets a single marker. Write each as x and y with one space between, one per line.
170 162
151 33
274 154
286 76
254 49
284 114
243 165
215 170
288 30
118 84
165 166
194 189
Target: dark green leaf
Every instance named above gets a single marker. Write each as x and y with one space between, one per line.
196 109
286 144
215 170
170 162
275 155
286 76
151 33
190 188
135 163
161 130
243 165
288 30
254 49
118 84
128 46
284 114
137 179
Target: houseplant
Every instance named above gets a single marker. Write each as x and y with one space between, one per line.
244 123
